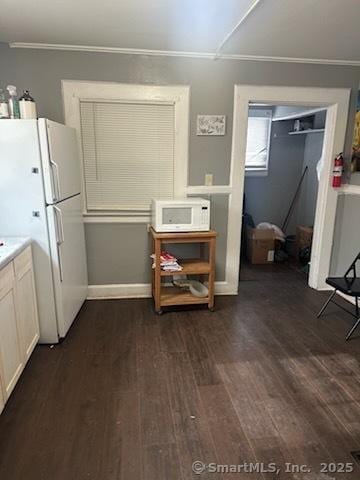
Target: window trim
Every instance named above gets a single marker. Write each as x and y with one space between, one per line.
74 91
260 171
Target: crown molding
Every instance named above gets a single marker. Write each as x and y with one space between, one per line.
119 50
177 53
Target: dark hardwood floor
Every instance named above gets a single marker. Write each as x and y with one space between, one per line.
132 395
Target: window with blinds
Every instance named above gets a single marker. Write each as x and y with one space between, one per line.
128 154
258 140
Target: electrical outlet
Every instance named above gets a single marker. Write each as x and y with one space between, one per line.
208 179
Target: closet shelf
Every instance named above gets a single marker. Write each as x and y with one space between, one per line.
297 115
309 130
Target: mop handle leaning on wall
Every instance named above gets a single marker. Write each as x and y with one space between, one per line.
292 205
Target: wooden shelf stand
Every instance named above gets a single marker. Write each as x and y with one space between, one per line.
164 295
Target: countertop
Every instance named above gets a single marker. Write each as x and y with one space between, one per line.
11 248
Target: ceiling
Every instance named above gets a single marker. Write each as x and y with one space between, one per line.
312 29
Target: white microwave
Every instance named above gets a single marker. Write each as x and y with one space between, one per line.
180 215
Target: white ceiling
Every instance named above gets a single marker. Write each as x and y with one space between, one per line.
315 29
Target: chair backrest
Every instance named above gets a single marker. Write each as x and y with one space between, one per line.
352 267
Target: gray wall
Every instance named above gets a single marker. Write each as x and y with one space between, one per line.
268 198
212 86
347 234
355 178
115 250
309 189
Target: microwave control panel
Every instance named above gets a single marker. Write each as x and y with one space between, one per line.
204 215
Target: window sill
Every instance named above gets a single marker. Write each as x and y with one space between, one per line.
256 173
103 218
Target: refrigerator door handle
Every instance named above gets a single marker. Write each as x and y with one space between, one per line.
55 170
59 230
59 226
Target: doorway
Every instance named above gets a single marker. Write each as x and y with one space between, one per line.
283 165
336 102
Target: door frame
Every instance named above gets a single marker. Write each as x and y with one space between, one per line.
336 100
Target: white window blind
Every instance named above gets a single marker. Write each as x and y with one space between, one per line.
258 139
128 154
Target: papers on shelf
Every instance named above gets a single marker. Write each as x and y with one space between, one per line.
168 262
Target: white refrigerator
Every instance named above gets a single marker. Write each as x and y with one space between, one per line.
40 197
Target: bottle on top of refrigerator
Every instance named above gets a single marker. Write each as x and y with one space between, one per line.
14 110
4 110
27 105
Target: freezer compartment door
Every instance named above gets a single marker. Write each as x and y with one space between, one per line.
60 159
69 260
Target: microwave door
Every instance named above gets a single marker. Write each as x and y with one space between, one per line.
180 216
189 215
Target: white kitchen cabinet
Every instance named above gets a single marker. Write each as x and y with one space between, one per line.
19 326
27 315
11 357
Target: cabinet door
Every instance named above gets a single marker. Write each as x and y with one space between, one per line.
10 351
28 322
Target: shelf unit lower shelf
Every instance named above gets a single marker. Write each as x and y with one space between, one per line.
170 296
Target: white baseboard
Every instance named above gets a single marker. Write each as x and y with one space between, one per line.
122 290
139 290
347 297
224 288
143 290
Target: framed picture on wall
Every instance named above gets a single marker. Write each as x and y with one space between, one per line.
210 125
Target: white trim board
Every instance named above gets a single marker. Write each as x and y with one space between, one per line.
348 298
336 101
115 219
139 290
132 219
208 190
349 189
253 4
176 53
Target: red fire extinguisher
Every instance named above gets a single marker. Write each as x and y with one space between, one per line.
338 170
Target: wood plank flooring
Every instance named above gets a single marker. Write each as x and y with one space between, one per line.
132 395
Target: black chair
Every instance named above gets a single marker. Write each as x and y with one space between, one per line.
349 285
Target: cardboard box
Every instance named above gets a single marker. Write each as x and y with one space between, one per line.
304 236
260 245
